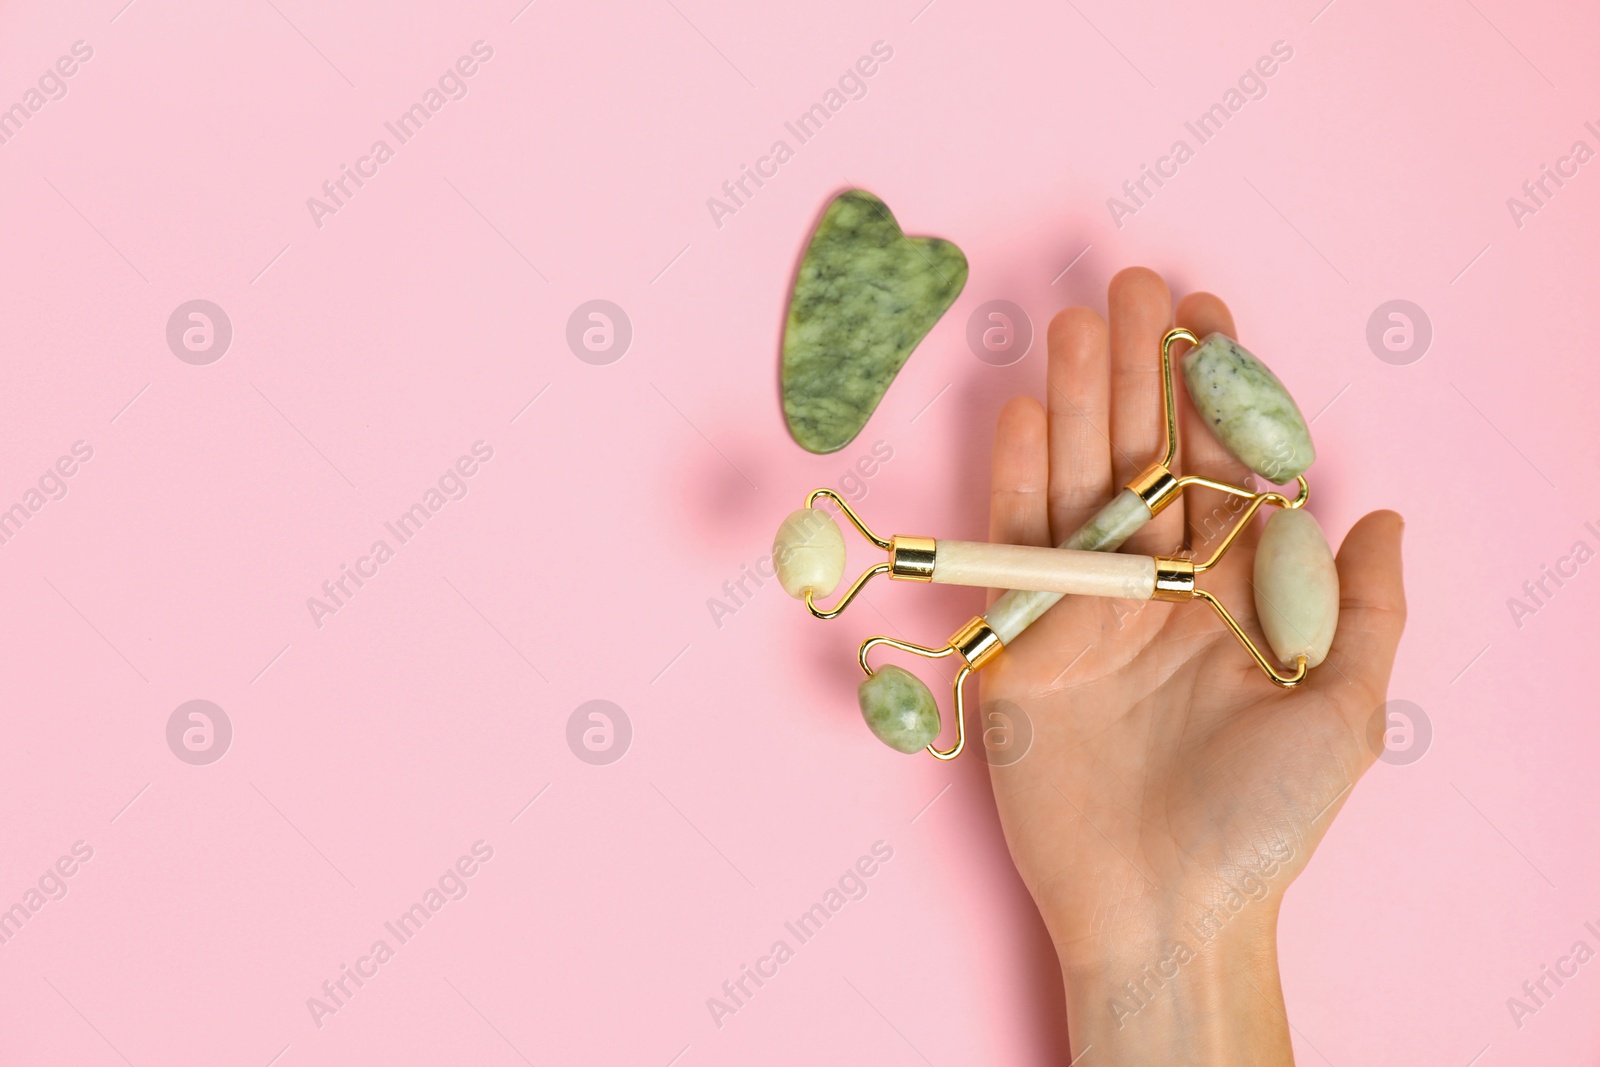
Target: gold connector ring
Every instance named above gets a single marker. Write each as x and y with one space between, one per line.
911 558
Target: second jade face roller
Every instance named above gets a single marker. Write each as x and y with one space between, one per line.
1255 419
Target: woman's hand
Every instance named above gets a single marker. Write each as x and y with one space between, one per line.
1171 792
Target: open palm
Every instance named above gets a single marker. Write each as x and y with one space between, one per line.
1167 776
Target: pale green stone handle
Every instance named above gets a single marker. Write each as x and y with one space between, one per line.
1110 527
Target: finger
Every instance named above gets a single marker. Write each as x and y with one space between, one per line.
1140 312
1372 614
1020 473
1208 514
1078 397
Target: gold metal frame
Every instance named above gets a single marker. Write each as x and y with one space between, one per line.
1175 582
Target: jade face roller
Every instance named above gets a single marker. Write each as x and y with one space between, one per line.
1296 595
1251 414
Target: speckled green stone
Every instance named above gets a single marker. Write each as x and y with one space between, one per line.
865 296
899 709
1248 409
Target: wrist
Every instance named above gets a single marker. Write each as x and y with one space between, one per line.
1195 987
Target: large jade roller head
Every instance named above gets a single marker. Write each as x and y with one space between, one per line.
1297 588
1248 409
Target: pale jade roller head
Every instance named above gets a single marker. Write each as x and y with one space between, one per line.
808 554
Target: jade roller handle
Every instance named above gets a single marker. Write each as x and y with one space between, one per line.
1113 524
1060 571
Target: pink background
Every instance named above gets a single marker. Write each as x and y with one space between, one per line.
368 354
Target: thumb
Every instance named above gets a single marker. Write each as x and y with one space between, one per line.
1372 614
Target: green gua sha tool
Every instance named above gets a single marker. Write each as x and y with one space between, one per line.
865 296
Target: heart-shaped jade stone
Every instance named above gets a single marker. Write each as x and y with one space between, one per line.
865 296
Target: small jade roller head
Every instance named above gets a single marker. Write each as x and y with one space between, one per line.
898 709
1248 409
808 553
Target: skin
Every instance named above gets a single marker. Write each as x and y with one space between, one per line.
1172 793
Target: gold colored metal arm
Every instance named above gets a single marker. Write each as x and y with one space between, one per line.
1156 485
961 719
849 513
1284 681
1276 499
1169 402
1175 579
850 594
1211 483
1239 490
